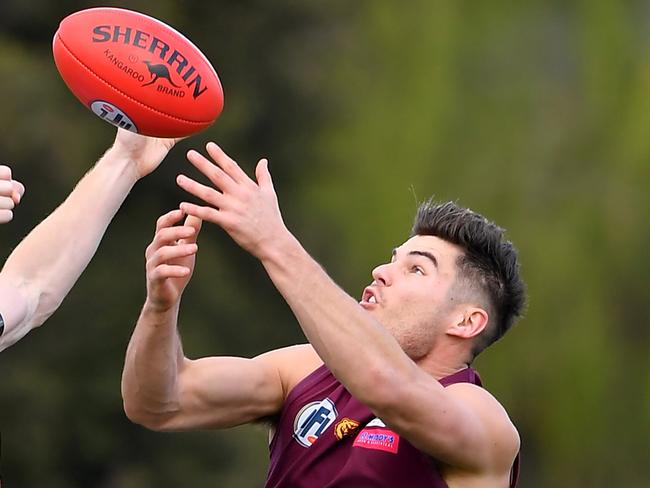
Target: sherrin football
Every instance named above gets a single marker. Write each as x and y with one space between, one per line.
137 72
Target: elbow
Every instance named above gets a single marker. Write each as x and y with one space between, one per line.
156 416
149 420
137 415
43 308
35 310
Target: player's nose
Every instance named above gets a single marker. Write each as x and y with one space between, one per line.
382 275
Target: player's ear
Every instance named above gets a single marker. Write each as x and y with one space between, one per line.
469 322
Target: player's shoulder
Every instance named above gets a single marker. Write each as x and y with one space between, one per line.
491 412
291 354
292 363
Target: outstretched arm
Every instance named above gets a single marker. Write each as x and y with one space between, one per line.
462 426
161 388
42 269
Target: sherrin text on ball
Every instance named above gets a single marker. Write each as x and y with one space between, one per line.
137 72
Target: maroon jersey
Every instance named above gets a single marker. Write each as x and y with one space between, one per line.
325 438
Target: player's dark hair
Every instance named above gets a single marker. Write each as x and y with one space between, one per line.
489 264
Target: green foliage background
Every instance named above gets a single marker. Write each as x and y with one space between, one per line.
534 113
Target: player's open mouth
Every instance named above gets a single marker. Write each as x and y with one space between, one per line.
369 296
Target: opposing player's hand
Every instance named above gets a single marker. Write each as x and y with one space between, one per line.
247 210
145 152
170 258
11 191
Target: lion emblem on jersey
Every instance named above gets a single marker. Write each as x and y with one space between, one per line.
345 427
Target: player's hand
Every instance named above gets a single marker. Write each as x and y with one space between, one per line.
11 191
170 259
145 152
247 210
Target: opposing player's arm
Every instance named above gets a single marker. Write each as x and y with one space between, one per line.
42 269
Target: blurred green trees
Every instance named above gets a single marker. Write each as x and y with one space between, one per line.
536 114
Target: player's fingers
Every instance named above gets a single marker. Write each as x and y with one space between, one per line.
166 254
195 223
228 164
170 235
167 236
165 271
214 173
204 192
204 213
263 175
168 219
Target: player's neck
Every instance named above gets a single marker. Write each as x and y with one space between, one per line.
441 363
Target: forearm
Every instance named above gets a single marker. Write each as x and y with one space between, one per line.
13 309
154 359
47 263
360 352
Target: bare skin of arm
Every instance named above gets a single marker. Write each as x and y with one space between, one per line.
462 426
42 269
164 390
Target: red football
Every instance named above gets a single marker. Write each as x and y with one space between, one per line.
137 72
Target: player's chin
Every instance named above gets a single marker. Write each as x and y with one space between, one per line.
368 305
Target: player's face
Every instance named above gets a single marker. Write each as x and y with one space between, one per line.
411 296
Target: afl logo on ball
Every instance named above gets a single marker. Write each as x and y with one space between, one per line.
312 420
110 113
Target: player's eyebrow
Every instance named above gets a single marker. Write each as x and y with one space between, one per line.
426 254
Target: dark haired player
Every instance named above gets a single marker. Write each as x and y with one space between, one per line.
42 269
383 394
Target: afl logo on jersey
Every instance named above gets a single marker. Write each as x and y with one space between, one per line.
312 420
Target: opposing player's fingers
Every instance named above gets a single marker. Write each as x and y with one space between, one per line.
6 216
19 191
5 172
228 164
6 203
6 188
168 219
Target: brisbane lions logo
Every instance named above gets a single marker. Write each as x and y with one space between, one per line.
345 427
